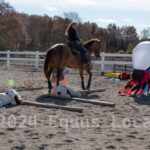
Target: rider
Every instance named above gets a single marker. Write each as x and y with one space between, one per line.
73 37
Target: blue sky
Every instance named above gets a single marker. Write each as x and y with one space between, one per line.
103 12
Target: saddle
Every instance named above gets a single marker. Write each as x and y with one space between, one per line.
73 49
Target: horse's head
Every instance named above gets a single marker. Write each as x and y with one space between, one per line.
93 46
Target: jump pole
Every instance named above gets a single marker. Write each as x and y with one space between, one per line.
76 109
91 91
103 103
29 89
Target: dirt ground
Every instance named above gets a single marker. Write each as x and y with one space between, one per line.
124 127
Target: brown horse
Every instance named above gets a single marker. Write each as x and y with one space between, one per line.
60 56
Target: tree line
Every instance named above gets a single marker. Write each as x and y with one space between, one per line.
20 31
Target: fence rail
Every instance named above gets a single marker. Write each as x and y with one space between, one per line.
35 57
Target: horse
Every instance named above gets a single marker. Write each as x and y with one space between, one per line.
60 55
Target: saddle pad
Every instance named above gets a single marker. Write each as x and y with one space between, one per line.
73 49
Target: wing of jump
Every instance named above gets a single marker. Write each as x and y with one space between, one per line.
140 81
137 83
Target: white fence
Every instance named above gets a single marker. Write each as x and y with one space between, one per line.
35 57
103 61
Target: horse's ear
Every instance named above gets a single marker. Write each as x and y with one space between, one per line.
17 100
99 40
68 92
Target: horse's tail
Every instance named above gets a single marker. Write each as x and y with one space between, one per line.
46 64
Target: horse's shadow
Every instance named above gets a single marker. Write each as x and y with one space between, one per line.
9 106
43 99
87 96
142 100
63 102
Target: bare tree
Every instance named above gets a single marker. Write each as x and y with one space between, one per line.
145 34
5 7
73 16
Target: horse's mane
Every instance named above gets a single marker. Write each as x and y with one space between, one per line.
89 43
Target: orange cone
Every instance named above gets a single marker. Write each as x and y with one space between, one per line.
64 81
55 85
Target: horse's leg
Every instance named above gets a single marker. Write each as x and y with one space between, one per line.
88 70
59 73
49 80
82 79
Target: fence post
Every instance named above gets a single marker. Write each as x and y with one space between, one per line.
102 63
8 59
37 60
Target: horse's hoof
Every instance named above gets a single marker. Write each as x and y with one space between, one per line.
87 88
83 88
49 91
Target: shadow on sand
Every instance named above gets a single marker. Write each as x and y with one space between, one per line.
142 100
63 102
